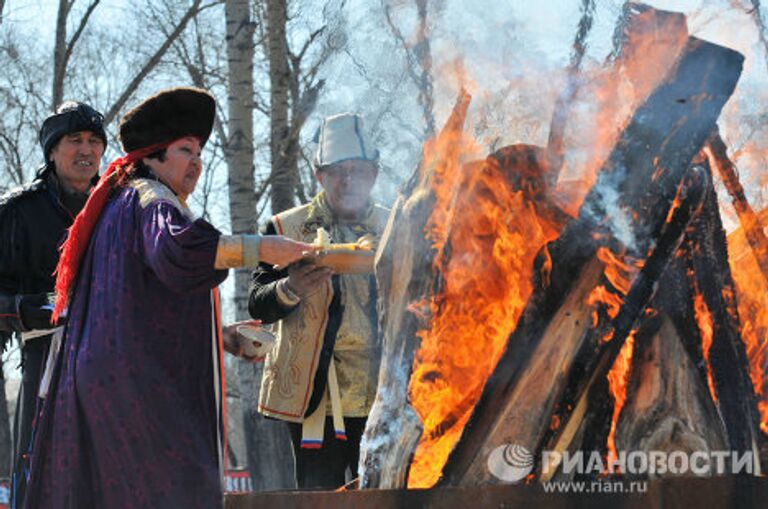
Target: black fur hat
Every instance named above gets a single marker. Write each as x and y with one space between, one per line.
70 117
167 116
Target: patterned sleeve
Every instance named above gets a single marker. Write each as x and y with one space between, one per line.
180 251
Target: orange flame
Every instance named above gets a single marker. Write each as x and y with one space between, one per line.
752 299
494 234
704 319
602 298
618 378
619 274
612 93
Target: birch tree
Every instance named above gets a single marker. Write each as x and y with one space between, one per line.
270 460
295 84
63 47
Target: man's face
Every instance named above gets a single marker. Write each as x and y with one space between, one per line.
77 157
348 186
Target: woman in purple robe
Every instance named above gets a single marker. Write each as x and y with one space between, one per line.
132 415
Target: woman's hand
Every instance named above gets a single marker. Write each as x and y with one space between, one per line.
282 251
234 342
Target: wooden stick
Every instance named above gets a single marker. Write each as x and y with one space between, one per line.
753 229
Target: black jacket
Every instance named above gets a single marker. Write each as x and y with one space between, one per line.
33 223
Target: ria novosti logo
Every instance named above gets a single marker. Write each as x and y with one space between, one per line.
510 462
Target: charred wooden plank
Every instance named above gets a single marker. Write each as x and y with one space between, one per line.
647 41
736 397
641 175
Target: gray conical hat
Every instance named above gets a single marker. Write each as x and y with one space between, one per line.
342 137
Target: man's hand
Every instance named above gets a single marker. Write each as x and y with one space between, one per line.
35 311
279 250
233 340
305 278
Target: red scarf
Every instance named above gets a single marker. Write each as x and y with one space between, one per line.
80 232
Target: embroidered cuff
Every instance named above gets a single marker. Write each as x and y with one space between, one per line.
236 251
285 295
251 250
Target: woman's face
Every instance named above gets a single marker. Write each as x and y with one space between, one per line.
181 168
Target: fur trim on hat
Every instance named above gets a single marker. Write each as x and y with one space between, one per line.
168 115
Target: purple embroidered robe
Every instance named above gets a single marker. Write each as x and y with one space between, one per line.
131 416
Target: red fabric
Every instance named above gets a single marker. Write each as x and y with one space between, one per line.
79 236
222 378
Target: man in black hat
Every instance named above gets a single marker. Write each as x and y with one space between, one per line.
33 223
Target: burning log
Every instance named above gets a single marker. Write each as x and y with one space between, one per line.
602 345
668 405
393 428
642 176
715 410
513 174
647 42
669 408
660 382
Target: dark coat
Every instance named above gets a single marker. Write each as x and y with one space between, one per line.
33 223
131 417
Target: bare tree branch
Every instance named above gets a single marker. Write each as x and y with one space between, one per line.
79 31
151 63
419 57
10 149
314 35
403 43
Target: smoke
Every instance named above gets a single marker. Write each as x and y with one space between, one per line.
606 208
